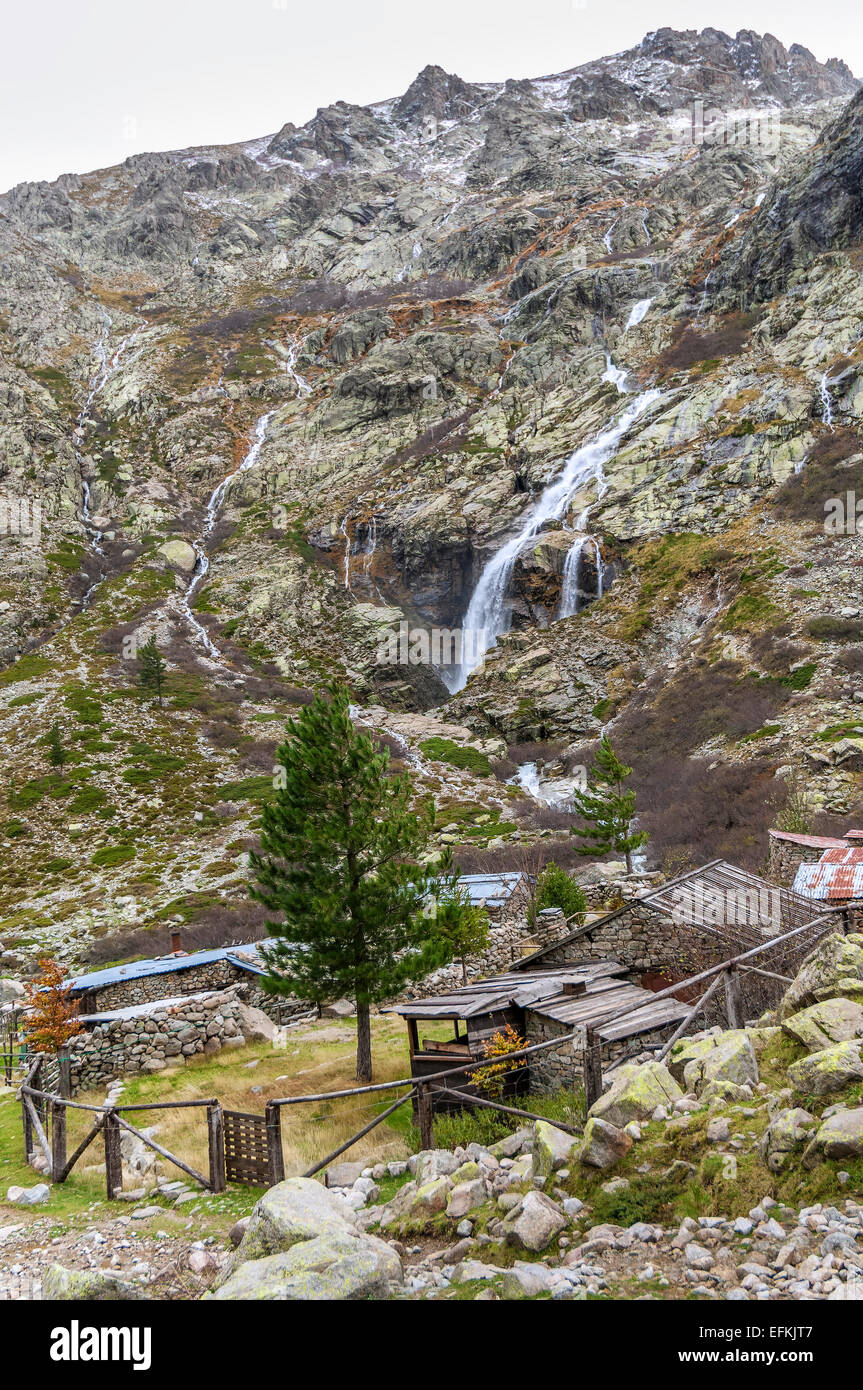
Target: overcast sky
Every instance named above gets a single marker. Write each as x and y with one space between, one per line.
88 82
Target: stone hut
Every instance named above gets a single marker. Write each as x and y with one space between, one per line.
179 974
836 881
788 851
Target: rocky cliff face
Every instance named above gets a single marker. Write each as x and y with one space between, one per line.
278 402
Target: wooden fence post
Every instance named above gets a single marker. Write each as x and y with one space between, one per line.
58 1141
592 1068
425 1115
733 1000
64 1064
28 1130
113 1154
216 1143
273 1115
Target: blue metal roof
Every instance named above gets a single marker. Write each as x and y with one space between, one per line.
490 887
244 957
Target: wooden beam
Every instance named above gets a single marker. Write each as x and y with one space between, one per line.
166 1153
505 1109
274 1143
216 1147
678 1032
84 1144
425 1115
310 1173
36 1124
58 1141
113 1154
592 1068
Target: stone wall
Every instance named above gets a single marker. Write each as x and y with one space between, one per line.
162 1037
562 1068
786 857
642 940
217 974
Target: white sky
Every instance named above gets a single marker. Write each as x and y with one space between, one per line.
88 82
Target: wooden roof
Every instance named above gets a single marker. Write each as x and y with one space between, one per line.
542 992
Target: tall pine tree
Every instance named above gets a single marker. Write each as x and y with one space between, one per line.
607 808
151 668
338 862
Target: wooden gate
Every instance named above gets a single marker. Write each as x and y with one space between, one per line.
248 1150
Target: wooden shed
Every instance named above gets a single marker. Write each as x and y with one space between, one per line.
540 1004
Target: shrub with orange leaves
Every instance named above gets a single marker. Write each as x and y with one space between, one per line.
491 1077
52 1017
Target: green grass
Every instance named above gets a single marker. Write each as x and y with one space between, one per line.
26 668
443 750
113 855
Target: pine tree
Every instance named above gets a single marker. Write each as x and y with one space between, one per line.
556 889
463 926
608 808
338 861
151 668
52 1017
56 751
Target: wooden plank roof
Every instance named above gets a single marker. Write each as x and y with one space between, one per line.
542 992
516 988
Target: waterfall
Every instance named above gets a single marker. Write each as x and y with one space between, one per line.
106 369
826 404
487 616
637 313
214 506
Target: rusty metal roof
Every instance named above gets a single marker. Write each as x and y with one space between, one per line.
837 877
810 841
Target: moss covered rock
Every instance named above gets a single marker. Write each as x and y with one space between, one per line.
832 1069
635 1094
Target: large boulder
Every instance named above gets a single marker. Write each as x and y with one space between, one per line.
834 968
416 1203
831 1069
831 1021
534 1222
335 1266
254 1024
731 1058
10 991
786 1132
465 1197
432 1163
551 1148
635 1093
841 1135
602 1145
298 1209
88 1286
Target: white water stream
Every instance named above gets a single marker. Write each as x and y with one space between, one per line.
107 368
488 616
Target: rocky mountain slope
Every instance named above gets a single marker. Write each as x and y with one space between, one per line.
576 358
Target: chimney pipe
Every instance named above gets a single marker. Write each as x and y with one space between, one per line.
176 948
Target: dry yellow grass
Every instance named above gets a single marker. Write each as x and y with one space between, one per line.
318 1057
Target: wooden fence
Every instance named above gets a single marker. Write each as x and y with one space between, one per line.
247 1148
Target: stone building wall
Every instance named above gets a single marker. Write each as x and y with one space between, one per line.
562 1068
785 859
642 940
217 974
152 1041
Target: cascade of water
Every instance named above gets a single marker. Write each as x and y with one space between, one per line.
488 616
214 506
826 403
106 369
637 313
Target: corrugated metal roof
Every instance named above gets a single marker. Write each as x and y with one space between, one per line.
810 841
837 877
490 887
245 956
